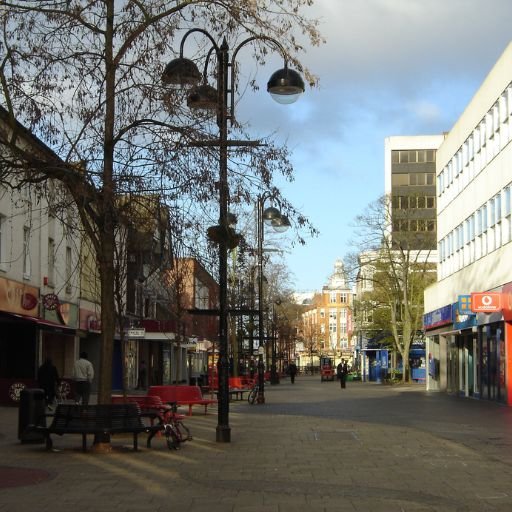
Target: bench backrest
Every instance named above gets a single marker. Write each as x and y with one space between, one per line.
184 393
165 393
241 382
144 401
176 393
96 417
235 382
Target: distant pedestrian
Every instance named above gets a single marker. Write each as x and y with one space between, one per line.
341 372
292 370
143 373
47 379
83 373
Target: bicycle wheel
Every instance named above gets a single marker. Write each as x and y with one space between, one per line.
251 398
172 437
183 431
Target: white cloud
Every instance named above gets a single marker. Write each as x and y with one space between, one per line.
390 67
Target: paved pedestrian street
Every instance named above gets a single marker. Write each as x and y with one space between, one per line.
311 447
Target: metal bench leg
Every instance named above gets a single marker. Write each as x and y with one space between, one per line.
84 442
135 442
152 434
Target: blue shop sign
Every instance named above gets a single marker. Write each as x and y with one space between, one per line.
464 304
438 317
462 319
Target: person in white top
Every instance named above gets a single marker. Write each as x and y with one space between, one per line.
83 373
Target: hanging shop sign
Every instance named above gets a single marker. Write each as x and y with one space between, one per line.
136 333
50 301
462 319
464 305
485 302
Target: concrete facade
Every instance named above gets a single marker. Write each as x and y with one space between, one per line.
474 233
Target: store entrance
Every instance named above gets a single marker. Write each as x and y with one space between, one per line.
492 349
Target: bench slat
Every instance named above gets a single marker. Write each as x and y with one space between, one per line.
182 395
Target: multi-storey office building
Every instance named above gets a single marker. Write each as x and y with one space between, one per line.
470 351
408 235
410 167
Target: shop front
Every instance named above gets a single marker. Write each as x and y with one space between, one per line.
468 351
58 335
27 339
438 326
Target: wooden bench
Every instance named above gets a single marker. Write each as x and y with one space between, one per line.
98 419
182 395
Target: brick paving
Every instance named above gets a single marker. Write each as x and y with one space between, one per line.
311 447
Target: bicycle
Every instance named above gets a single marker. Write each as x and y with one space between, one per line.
174 430
253 394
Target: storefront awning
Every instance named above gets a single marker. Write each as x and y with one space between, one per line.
39 322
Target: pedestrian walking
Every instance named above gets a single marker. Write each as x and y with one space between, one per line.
47 379
292 370
83 373
341 372
143 373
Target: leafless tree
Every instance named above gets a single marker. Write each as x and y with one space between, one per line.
397 269
85 77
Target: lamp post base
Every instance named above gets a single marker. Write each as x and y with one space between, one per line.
274 376
223 434
261 381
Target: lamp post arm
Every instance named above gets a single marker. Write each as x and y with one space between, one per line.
202 31
269 39
279 46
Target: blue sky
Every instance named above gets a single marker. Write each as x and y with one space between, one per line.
389 67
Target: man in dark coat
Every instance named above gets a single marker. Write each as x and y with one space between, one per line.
48 378
341 372
292 370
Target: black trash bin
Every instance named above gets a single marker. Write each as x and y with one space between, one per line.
31 412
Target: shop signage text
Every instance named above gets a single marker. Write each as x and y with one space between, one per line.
438 317
485 302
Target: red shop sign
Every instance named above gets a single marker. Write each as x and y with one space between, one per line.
485 302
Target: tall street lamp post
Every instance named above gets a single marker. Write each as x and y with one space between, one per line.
280 223
285 86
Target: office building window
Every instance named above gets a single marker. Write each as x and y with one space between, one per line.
497 208
413 156
507 209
